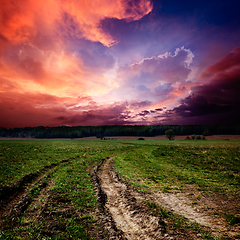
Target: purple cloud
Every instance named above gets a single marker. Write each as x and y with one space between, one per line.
219 97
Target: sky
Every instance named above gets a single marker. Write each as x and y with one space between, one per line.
119 62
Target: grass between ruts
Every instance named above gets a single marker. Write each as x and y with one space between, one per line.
177 223
69 197
209 169
211 166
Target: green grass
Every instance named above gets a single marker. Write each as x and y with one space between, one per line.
178 223
70 183
18 158
212 166
21 157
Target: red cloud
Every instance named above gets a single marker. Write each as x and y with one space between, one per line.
228 63
44 50
34 68
29 20
35 109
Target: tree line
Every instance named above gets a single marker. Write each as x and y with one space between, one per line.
116 130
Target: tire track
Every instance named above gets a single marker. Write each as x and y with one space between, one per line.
42 211
129 216
16 198
21 203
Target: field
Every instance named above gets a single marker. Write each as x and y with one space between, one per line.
119 189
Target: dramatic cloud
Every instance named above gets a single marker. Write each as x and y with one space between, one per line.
28 20
219 97
198 106
71 62
165 67
158 79
227 64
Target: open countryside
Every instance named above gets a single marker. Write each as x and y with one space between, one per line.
119 120
122 189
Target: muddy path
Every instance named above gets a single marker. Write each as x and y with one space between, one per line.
180 204
130 216
16 198
43 213
122 212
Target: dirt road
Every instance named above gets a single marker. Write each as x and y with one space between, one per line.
133 219
129 213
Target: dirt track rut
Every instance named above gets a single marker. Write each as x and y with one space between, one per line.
131 216
128 213
16 198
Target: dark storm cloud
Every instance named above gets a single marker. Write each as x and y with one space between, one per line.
198 106
220 97
143 113
129 61
115 114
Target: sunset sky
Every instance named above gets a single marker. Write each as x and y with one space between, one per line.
118 62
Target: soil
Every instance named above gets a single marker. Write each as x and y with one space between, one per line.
16 197
132 218
128 211
162 137
122 212
202 211
31 198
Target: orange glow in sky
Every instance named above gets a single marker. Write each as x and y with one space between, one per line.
71 62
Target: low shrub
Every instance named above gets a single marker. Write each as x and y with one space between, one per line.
193 137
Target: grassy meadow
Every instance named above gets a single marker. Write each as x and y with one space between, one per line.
198 168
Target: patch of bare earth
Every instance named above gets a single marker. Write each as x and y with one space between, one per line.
122 211
58 211
214 205
31 202
162 137
201 208
131 217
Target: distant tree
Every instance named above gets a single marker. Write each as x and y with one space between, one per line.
100 135
115 130
193 137
198 137
170 134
